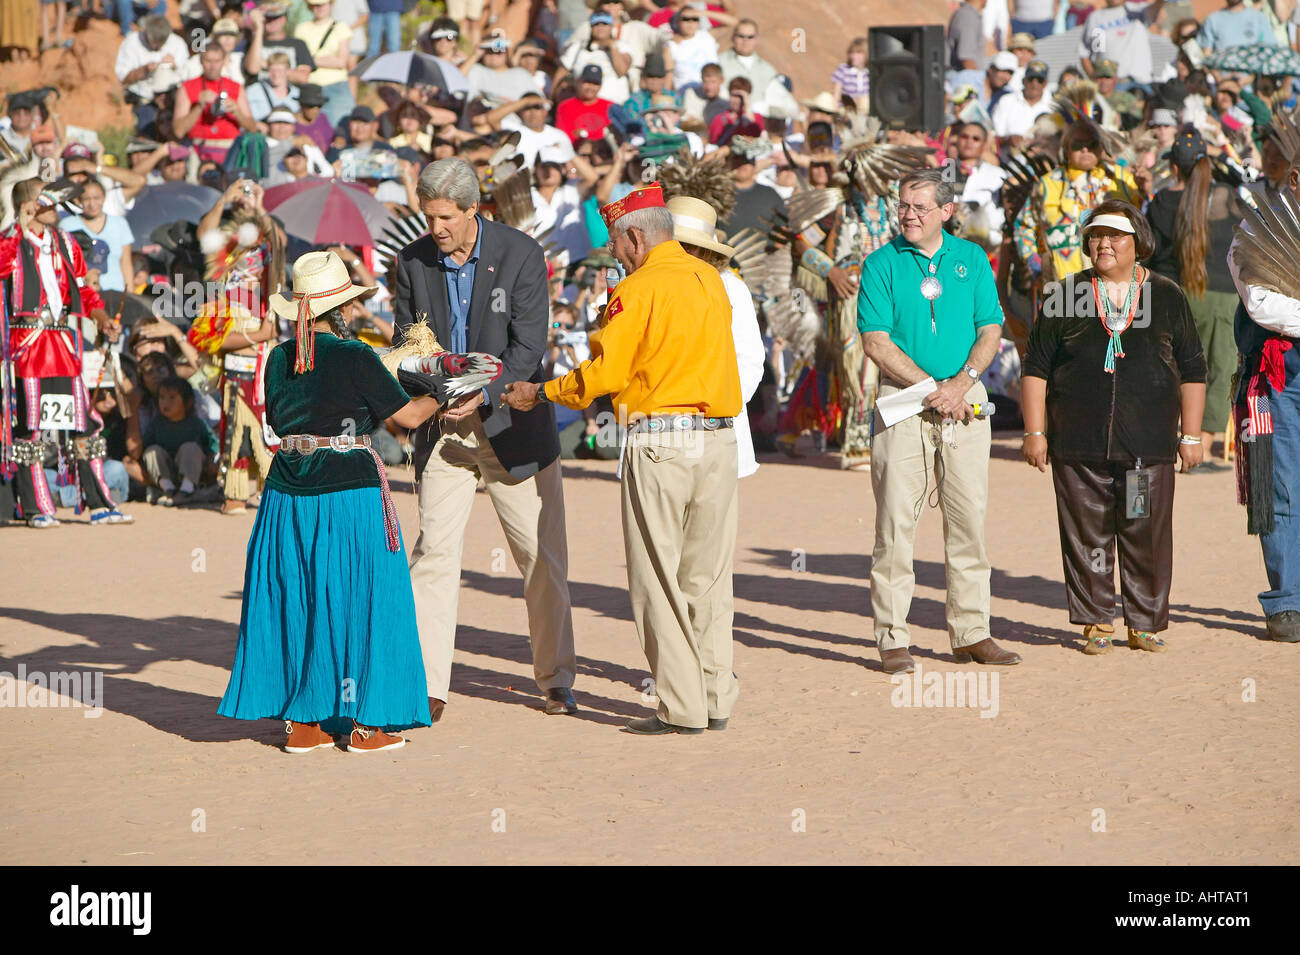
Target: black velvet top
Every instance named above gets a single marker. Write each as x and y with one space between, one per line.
349 391
1094 416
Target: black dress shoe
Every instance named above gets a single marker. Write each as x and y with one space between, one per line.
716 723
654 726
559 700
1284 626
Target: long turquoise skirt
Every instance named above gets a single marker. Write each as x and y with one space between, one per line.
328 627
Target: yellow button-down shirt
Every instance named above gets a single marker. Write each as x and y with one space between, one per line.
665 347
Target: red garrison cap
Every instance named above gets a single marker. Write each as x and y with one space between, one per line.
647 197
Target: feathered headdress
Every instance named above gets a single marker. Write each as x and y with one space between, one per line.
870 166
1268 244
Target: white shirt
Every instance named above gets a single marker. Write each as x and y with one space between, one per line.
1014 115
613 87
45 266
981 185
133 54
690 56
564 214
1271 311
750 356
530 142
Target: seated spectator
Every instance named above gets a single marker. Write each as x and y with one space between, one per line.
179 448
112 230
312 120
81 164
690 47
586 115
527 116
225 33
212 109
1014 116
654 80
705 102
280 138
22 120
528 57
758 206
738 119
274 92
411 122
663 118
602 49
559 202
270 35
743 60
490 71
364 145
149 61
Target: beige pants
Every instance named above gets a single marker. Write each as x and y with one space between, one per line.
902 461
531 513
679 531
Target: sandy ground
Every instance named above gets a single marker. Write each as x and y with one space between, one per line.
1161 752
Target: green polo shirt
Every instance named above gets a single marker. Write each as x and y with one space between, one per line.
890 300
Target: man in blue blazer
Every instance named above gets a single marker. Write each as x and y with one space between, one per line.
481 285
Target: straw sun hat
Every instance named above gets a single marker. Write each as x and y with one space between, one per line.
320 282
695 222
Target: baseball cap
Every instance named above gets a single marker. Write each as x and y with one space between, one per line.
294 151
141 145
78 151
1036 69
654 66
600 16
591 73
553 155
362 114
1005 60
272 10
1105 68
1021 41
1163 117
43 133
282 116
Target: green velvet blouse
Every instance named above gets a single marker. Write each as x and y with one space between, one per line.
349 391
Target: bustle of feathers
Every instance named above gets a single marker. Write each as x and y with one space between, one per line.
418 341
1076 100
14 168
704 179
870 166
812 205
1268 244
1286 132
767 272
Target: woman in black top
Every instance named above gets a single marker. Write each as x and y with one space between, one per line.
328 625
1192 222
1112 366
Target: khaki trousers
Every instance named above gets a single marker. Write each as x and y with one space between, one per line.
531 513
902 460
679 531
245 431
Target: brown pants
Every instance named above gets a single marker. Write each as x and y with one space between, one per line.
1090 510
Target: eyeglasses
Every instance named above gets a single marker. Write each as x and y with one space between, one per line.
689 20
919 211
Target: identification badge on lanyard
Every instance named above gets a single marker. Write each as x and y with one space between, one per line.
1137 491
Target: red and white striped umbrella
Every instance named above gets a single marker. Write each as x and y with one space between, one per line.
328 211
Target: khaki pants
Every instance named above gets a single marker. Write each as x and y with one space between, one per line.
531 513
902 460
244 428
679 531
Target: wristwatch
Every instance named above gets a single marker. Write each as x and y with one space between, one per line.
971 373
541 394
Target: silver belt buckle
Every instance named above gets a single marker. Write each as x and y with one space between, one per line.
341 442
682 422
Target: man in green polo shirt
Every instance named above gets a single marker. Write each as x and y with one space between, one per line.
928 308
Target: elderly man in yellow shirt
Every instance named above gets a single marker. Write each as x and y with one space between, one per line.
665 352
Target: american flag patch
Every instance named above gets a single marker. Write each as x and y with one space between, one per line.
1261 415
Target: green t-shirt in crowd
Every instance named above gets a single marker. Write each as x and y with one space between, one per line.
890 300
349 391
170 435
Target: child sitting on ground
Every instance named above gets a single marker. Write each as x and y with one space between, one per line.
177 444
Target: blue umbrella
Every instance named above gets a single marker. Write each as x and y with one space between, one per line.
412 68
170 202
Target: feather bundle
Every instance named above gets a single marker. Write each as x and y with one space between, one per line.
1268 244
708 180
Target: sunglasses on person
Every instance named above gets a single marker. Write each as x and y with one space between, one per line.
689 20
1085 148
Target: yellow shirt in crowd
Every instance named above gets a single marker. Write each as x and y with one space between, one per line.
313 33
666 345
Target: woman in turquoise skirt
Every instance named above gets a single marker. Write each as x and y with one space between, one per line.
328 627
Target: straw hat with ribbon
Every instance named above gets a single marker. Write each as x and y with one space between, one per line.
695 222
320 282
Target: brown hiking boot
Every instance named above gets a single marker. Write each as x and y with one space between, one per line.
305 737
371 739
